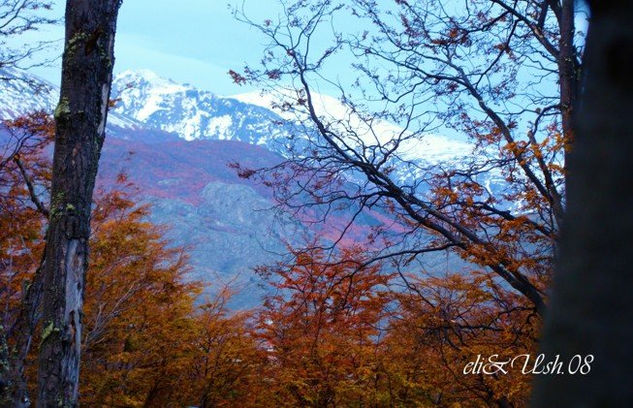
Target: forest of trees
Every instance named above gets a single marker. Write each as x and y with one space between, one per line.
98 307
331 335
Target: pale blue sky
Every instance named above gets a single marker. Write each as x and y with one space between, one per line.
192 41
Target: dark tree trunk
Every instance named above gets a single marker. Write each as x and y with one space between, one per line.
80 124
591 308
569 73
4 368
22 335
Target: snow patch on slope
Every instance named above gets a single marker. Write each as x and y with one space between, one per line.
25 93
428 147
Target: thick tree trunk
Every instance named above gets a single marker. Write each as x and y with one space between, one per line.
80 124
591 310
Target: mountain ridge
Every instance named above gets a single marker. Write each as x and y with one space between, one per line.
176 142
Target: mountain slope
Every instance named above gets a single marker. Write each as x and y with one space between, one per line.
175 143
193 114
28 93
226 222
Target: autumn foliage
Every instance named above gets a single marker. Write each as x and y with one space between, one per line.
335 330
340 333
145 336
322 331
23 169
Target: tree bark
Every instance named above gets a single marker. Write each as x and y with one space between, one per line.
22 333
80 130
591 310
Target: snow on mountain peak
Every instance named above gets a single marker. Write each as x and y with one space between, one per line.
147 76
189 112
142 92
22 92
431 148
147 100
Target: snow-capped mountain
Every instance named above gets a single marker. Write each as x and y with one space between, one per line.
147 101
21 93
426 148
254 118
191 113
207 206
175 143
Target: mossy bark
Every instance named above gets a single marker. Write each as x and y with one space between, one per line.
80 131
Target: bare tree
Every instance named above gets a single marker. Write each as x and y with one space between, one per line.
591 311
80 131
501 74
17 19
23 161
